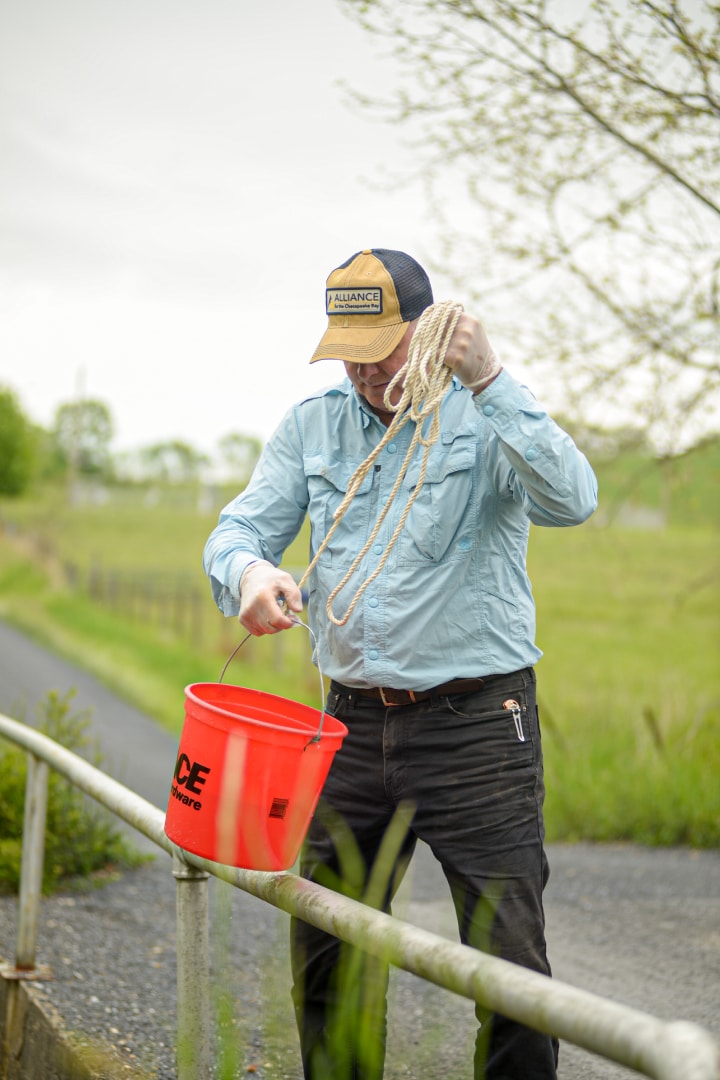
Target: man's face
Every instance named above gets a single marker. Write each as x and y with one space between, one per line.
371 380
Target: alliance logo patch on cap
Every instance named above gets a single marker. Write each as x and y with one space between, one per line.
354 301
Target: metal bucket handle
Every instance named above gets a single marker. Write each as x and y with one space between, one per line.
298 622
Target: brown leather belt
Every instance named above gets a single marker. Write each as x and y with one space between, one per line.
388 696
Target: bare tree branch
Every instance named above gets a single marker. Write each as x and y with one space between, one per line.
587 137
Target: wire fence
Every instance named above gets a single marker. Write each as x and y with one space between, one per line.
173 601
176 603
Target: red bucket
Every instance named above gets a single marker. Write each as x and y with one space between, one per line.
248 775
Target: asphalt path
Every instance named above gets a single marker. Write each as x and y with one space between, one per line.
639 926
136 751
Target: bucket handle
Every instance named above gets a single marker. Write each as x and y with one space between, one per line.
298 622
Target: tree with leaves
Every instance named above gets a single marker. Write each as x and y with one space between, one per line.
172 462
17 445
587 137
240 453
83 431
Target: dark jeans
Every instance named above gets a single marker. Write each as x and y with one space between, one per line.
464 775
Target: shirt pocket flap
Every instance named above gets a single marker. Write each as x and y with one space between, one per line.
443 461
337 473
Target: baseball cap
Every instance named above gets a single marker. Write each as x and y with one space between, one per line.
369 301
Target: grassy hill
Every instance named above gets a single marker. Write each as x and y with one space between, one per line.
628 619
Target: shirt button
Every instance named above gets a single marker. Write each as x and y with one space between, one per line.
392 449
373 654
373 601
488 409
378 549
531 453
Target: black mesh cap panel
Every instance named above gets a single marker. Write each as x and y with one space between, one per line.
412 284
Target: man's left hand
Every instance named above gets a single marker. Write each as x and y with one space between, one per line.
470 355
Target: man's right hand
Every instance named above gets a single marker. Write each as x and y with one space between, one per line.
262 590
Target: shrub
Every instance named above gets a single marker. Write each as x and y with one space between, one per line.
81 838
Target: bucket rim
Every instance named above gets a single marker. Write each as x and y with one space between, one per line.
325 734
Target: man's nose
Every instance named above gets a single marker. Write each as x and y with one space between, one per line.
364 370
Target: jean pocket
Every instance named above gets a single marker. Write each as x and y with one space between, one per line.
336 704
512 715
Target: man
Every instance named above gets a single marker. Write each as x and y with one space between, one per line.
433 672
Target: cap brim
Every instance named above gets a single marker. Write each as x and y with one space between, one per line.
358 344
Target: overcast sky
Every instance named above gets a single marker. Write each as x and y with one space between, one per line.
178 178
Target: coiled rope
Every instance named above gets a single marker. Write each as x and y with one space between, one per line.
425 379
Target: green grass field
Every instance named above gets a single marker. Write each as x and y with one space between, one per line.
628 619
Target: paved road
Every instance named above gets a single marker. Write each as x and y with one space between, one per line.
640 926
137 752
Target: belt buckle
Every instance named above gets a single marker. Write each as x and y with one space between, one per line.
395 704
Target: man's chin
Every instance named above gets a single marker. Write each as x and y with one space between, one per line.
377 399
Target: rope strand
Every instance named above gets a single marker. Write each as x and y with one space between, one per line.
425 380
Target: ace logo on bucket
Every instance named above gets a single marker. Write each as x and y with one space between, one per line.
190 775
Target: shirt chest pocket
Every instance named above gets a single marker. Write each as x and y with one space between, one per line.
328 483
442 522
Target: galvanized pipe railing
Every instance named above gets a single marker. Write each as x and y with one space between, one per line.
666 1051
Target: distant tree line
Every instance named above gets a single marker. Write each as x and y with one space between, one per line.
77 448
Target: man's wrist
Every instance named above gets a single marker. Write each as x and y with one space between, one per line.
478 387
246 567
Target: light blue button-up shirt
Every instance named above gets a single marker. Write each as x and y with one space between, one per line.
453 599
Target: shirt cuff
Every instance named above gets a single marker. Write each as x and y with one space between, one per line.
238 566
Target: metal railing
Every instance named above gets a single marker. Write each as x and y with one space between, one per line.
675 1050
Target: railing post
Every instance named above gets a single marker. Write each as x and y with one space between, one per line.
193 975
31 870
31 873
